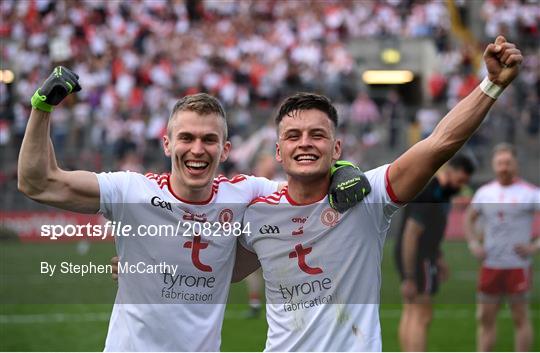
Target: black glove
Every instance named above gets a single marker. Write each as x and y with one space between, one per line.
58 85
349 186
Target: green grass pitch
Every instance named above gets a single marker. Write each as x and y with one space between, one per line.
83 327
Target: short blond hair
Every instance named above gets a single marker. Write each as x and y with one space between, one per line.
505 147
200 103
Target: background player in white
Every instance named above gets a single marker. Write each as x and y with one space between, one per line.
506 206
196 142
312 256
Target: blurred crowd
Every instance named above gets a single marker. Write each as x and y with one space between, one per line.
136 58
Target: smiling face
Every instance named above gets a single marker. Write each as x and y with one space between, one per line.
307 146
196 144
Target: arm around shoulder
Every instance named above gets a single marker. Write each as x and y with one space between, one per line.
246 262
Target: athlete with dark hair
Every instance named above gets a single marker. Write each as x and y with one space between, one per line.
322 270
418 254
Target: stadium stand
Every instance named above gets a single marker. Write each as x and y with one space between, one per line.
135 58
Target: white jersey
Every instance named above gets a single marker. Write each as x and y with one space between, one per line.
507 214
322 269
179 308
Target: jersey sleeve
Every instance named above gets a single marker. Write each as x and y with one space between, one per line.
245 239
245 243
381 191
112 193
476 202
261 186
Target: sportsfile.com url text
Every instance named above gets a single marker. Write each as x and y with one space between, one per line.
118 229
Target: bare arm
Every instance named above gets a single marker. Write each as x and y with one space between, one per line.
245 263
40 178
410 172
474 238
471 231
409 249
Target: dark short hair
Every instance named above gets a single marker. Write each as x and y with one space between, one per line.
306 101
200 103
462 162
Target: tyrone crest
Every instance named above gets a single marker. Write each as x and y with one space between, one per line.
330 217
225 216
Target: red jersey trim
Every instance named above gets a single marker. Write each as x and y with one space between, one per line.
235 179
164 180
205 202
160 179
389 189
272 199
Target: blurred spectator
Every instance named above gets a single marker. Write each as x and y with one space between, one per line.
132 162
437 86
393 114
364 114
531 115
135 58
427 117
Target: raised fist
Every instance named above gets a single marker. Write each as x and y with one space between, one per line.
58 85
502 61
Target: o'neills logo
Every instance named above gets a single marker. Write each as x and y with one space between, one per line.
225 216
301 220
330 217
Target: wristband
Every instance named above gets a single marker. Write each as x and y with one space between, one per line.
38 102
491 89
341 164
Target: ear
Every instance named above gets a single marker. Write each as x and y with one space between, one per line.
278 154
225 152
337 150
166 145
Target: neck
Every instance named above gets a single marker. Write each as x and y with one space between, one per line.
188 194
308 191
506 182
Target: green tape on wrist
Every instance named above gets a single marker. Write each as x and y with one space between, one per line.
38 102
341 164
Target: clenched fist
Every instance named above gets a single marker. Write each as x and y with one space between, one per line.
58 86
502 60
